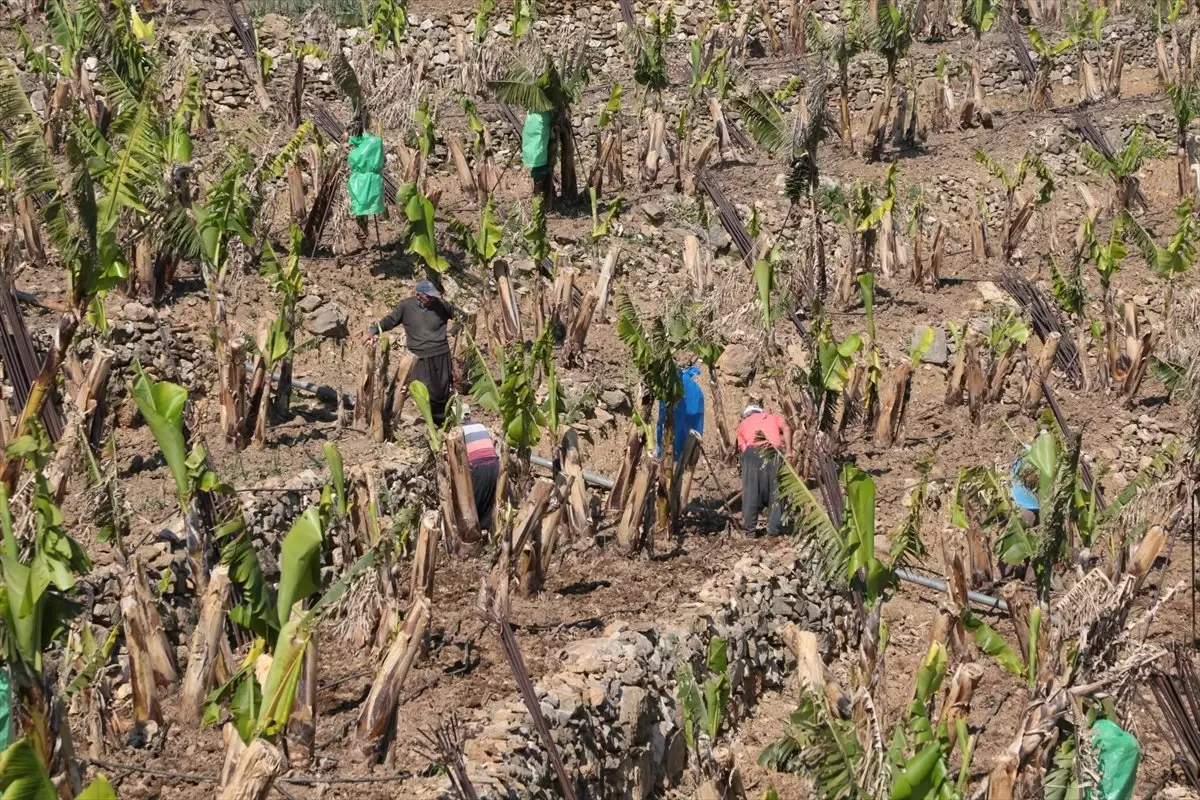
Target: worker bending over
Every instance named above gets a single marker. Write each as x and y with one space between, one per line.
424 317
485 470
762 439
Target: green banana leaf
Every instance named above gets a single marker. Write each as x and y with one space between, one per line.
866 284
246 704
920 777
835 359
23 607
716 688
300 562
419 392
22 776
279 693
337 475
929 677
98 789
1044 456
161 404
860 539
690 701
990 642
422 236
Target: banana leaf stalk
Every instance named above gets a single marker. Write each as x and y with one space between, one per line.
256 769
151 663
384 696
209 658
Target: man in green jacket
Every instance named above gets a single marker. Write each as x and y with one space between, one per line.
535 150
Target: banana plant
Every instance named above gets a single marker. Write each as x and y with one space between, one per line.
1039 93
765 123
654 359
915 765
1107 260
24 777
773 300
512 393
484 245
422 234
839 46
536 236
265 712
1177 257
287 281
649 45
387 22
39 579
211 510
846 551
555 86
483 12
70 217
893 33
1017 217
1123 166
704 708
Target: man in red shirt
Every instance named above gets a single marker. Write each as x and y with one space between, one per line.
760 468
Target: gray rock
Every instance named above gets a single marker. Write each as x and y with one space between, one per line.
309 303
939 352
718 238
137 312
614 399
328 320
654 213
273 26
738 363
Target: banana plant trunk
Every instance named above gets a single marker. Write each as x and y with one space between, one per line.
39 391
718 409
384 696
33 713
254 776
207 656
566 139
283 387
879 120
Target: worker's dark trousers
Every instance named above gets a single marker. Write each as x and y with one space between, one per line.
484 476
760 490
436 373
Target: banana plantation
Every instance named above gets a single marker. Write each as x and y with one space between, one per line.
391 394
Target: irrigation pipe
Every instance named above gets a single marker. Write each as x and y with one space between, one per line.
604 482
590 478
940 585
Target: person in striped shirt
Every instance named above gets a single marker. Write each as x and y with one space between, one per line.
484 463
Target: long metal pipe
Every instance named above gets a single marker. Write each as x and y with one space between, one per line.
604 482
940 585
590 478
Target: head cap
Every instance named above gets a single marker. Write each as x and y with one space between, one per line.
751 409
427 288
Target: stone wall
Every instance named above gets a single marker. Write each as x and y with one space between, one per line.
612 708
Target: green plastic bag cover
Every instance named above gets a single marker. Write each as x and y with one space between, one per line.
5 710
1117 753
535 139
366 175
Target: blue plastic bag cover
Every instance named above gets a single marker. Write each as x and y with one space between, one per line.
1117 754
1021 496
689 412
